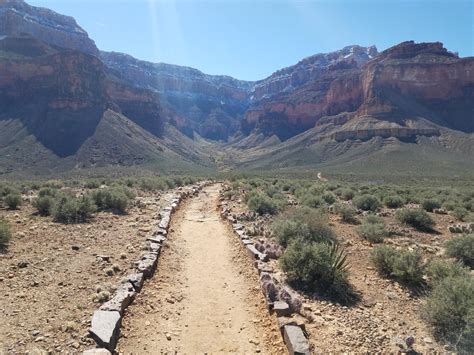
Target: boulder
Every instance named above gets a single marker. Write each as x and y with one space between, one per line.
295 340
147 264
254 253
281 309
154 247
136 280
105 328
124 295
238 226
159 239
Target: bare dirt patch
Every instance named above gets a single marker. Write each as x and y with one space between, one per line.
51 273
205 296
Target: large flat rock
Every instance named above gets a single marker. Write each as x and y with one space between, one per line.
136 280
105 328
295 340
124 295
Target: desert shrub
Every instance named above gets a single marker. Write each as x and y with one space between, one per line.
393 201
469 204
460 213
372 232
450 205
430 204
47 191
92 184
54 184
346 212
44 205
263 204
12 200
439 269
366 202
417 218
403 266
315 265
303 223
329 198
115 199
68 209
178 181
462 248
449 309
346 194
5 233
311 200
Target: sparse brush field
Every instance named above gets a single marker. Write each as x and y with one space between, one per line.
64 246
375 264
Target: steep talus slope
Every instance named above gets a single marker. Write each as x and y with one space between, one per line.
58 95
210 105
60 109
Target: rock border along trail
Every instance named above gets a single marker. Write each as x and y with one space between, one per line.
205 295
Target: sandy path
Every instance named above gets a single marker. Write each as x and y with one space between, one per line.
204 297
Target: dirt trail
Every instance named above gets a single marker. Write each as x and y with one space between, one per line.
204 297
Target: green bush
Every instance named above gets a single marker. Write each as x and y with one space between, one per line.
315 265
460 213
393 201
450 205
346 212
13 200
346 194
430 205
373 232
417 218
439 269
312 201
92 184
329 198
115 199
303 223
5 233
449 310
68 209
44 205
47 191
462 248
366 202
263 204
403 266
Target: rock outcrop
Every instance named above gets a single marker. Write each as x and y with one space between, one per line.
211 105
312 68
60 96
17 18
406 82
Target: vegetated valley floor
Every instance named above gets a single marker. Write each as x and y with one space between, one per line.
205 296
386 312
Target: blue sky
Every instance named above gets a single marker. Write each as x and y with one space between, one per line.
250 39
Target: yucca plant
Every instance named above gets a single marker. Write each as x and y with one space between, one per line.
339 262
314 266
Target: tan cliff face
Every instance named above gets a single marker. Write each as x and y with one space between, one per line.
406 81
